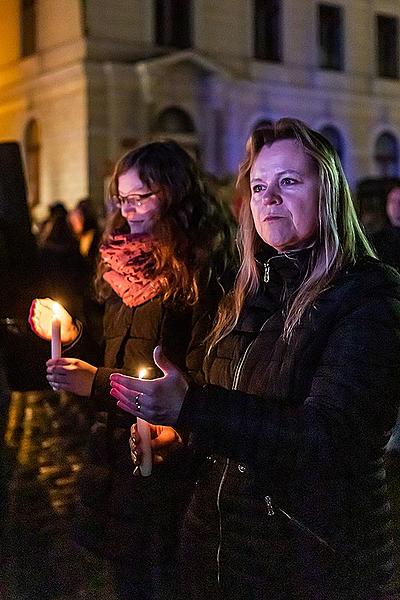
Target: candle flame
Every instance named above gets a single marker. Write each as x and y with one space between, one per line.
142 373
56 308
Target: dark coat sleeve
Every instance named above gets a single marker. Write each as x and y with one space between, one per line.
101 387
353 397
84 347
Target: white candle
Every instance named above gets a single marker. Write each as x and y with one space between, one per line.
145 440
56 332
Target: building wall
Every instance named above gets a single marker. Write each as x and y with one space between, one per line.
120 20
61 111
50 88
355 101
98 83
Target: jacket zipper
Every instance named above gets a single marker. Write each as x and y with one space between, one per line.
268 501
235 382
266 271
296 522
306 529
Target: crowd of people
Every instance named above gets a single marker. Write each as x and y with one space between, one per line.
268 377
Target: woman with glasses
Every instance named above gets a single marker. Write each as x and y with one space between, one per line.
165 253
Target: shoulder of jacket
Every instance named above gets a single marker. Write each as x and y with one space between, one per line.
371 271
366 280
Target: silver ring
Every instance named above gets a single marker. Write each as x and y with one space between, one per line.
137 397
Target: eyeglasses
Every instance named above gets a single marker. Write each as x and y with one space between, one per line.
133 199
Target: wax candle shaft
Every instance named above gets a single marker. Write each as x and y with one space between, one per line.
55 338
145 444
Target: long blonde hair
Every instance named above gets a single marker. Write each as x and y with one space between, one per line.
339 240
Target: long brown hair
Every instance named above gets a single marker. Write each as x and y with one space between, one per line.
339 240
193 230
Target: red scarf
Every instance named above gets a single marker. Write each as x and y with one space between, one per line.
130 259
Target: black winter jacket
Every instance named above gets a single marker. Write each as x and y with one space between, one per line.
294 496
124 513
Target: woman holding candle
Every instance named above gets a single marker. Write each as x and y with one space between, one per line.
164 256
303 383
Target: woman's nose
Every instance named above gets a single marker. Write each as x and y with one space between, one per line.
271 195
130 206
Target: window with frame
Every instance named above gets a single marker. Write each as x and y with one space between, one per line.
173 23
28 27
387 31
330 37
268 30
387 155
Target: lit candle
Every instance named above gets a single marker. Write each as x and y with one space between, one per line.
56 331
145 440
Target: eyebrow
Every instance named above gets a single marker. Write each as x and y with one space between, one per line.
137 193
280 173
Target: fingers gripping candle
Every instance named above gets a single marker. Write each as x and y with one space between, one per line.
145 440
56 332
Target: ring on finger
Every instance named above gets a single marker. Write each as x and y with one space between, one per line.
137 398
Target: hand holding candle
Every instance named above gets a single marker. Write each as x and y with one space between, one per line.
56 331
160 399
41 314
145 439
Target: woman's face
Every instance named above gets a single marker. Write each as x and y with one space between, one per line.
284 186
139 205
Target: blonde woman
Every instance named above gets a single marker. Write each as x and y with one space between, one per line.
303 382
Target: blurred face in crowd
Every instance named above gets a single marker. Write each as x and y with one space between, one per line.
139 204
284 186
75 218
393 207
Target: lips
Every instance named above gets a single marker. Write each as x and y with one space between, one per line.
273 217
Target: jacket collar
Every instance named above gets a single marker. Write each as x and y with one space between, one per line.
286 267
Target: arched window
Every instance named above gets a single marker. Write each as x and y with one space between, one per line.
175 123
335 137
32 158
387 155
174 120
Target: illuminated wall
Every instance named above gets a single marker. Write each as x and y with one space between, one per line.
48 88
98 84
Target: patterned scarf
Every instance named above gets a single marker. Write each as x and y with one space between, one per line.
131 262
